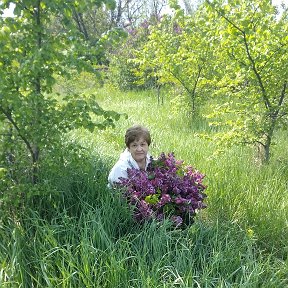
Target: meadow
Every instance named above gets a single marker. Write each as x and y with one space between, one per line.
91 239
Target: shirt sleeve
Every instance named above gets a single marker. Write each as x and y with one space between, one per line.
117 172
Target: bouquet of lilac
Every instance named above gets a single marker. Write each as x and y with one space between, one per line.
166 190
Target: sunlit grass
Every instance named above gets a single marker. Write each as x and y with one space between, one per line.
240 240
238 188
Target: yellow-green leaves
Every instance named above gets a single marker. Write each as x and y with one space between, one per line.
152 199
253 72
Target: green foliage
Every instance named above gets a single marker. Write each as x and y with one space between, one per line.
123 69
33 119
252 44
235 51
79 252
32 55
69 230
120 73
83 83
177 52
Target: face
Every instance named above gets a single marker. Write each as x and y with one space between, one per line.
139 149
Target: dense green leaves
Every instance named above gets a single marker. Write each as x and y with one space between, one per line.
32 55
253 45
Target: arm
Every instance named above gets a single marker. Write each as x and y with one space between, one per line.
117 172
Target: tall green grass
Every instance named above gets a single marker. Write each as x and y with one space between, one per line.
240 240
239 190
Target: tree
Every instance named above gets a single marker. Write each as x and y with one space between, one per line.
123 68
177 52
32 54
253 44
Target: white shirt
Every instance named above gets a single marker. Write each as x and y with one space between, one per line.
120 168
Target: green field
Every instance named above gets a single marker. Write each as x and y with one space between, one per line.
91 240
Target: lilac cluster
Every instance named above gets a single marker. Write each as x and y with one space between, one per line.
166 190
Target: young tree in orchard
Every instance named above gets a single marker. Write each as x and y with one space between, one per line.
253 44
32 54
176 52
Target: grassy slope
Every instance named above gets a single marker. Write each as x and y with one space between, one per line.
238 241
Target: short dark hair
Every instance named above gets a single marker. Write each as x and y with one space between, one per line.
135 132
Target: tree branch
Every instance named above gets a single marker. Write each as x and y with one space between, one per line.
252 61
264 95
14 124
271 56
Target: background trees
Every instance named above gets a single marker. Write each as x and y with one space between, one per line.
177 53
237 51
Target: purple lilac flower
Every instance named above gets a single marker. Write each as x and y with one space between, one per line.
165 190
165 198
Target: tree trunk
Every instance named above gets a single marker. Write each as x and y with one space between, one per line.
35 150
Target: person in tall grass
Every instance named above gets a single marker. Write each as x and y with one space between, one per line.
136 155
